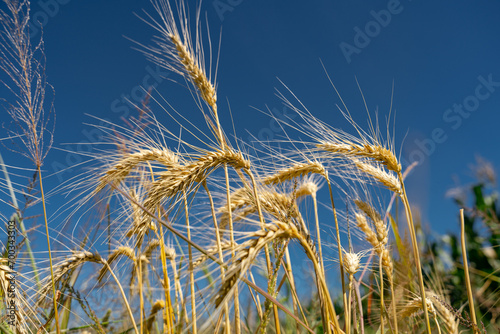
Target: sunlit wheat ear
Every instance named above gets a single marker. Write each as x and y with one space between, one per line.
182 178
176 51
26 314
375 152
373 239
441 300
150 248
295 171
351 262
380 228
170 253
245 254
5 275
307 188
446 313
213 250
415 306
385 178
68 264
281 206
155 308
128 162
140 225
120 251
194 71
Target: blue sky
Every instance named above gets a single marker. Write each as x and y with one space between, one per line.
439 55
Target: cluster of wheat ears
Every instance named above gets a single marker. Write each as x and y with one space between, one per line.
202 234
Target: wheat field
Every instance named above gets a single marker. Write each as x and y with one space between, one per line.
211 235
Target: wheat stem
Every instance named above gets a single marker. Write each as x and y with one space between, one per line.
141 298
289 275
56 313
382 306
318 231
266 249
466 272
191 271
168 311
219 250
129 310
231 236
411 228
339 245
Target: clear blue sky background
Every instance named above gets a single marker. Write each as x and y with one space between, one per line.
434 52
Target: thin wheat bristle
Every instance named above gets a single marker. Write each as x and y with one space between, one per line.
387 179
295 171
375 152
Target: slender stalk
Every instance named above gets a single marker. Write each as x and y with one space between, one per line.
168 312
349 309
466 271
360 307
318 231
179 298
56 313
219 250
289 274
275 302
20 222
272 289
191 271
123 295
382 306
141 299
411 228
437 323
266 249
394 316
231 236
339 245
